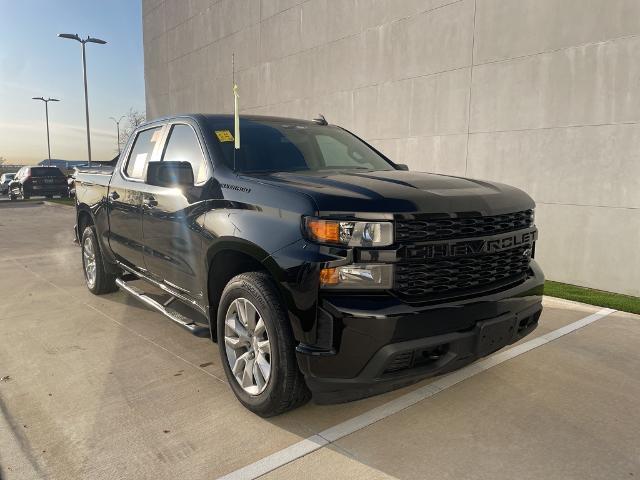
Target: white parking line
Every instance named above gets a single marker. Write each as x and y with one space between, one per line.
316 442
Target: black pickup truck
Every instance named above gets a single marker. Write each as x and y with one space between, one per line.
318 265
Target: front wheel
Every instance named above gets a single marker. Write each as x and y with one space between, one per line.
98 280
257 348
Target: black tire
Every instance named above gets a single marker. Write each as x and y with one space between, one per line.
104 282
285 388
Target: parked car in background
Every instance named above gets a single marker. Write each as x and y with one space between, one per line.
71 184
5 179
38 181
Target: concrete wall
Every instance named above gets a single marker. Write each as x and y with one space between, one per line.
541 94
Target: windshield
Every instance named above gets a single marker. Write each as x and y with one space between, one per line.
281 147
46 172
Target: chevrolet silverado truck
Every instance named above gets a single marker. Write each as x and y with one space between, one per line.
319 266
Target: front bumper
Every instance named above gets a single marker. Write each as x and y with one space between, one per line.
380 345
34 190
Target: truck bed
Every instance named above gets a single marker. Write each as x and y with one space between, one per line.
92 185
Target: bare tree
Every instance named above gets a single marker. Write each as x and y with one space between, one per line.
2 160
132 120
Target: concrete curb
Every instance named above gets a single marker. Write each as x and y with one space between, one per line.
571 302
20 203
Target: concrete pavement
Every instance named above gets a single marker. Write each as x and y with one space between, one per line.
101 387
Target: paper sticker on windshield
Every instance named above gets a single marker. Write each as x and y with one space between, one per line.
156 136
224 135
138 165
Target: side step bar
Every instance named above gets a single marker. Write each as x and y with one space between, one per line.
170 313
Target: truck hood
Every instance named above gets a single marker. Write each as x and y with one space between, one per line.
398 191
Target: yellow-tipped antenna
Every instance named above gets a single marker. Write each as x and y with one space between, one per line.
236 113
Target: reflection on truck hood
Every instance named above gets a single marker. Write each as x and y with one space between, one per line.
400 191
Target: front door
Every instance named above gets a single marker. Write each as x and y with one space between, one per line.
171 233
125 198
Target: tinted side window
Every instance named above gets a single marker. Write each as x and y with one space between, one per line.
183 146
141 152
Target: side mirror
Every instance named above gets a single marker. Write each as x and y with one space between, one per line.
170 174
402 166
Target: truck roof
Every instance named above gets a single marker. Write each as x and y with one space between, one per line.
227 117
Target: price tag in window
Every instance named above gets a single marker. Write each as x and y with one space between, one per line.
156 136
138 165
224 135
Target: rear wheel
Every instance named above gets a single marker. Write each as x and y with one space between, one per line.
257 348
98 280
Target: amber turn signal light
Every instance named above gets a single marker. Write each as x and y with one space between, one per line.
329 276
324 230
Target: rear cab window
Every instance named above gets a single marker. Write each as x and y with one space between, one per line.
142 152
46 172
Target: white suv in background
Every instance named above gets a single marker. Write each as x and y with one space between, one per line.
5 178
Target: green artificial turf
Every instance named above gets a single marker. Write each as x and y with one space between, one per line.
63 201
625 303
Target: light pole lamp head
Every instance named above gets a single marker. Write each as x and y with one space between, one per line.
45 99
71 36
95 40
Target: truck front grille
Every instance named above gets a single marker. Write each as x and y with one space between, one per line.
422 277
459 275
427 228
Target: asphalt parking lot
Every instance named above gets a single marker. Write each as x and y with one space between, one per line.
103 388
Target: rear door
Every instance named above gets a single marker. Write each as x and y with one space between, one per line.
125 196
172 239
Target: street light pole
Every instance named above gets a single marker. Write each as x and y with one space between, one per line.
86 100
118 130
74 36
46 116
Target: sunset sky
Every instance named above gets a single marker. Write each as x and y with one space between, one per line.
34 62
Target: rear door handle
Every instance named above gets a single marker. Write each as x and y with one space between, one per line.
149 202
113 196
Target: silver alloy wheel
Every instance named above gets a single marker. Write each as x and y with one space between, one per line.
89 257
247 346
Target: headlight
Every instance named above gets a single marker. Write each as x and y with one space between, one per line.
349 233
358 276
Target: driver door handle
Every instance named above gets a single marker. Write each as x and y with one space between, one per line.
113 196
149 202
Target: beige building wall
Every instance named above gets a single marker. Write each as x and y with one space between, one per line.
541 94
